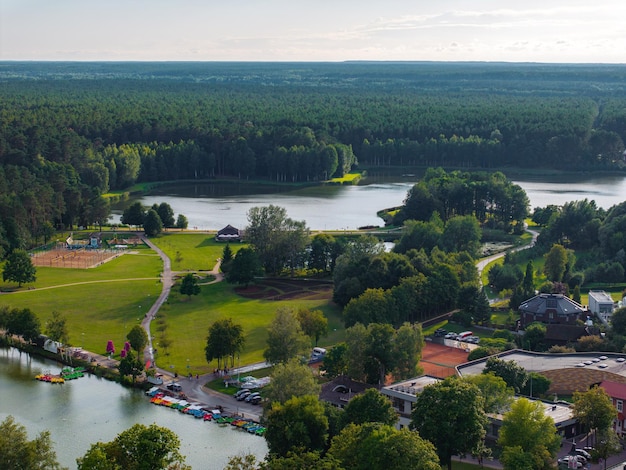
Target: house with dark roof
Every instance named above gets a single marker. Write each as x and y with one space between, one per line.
617 392
228 234
341 390
551 309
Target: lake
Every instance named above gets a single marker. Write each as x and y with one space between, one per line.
211 206
87 410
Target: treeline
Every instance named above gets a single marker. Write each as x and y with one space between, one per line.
72 132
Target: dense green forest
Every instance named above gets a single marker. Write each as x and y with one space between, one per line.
70 132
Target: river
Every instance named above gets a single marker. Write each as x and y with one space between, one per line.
211 206
90 409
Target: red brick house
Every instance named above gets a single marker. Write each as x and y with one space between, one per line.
552 309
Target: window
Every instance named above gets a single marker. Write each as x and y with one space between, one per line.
620 405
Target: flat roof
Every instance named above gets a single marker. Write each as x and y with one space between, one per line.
539 362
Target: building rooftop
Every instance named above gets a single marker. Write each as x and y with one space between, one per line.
601 296
561 304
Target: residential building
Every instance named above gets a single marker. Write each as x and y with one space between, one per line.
403 396
551 309
602 305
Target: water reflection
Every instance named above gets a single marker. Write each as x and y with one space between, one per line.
90 409
211 206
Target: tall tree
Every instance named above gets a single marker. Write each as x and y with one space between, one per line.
313 323
335 361
244 267
369 407
556 262
182 222
24 323
152 224
139 447
134 215
225 339
513 374
594 409
18 453
19 268
138 338
299 423
277 239
56 327
166 214
291 379
497 395
227 257
285 339
530 436
377 446
131 365
407 345
440 424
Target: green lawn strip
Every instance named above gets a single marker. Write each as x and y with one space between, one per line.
95 313
192 251
188 321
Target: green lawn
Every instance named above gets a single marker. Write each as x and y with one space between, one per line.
103 303
188 321
192 251
100 304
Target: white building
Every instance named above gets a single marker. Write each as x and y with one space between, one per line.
404 394
602 305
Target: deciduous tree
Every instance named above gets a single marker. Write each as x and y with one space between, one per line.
463 403
19 268
594 409
244 267
377 446
313 323
285 338
291 379
18 453
529 435
152 224
370 406
138 338
299 423
56 327
138 448
225 339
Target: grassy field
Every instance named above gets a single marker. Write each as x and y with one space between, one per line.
103 303
100 304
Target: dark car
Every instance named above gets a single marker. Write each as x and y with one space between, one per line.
440 332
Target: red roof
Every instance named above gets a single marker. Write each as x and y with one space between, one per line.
614 389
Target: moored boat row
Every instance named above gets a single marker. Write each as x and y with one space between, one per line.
197 410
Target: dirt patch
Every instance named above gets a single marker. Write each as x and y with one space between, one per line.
287 289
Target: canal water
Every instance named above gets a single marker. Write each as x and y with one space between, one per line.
87 410
212 206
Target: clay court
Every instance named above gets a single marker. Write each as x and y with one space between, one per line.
287 289
440 361
77 259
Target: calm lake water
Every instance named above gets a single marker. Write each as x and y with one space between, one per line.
211 206
87 410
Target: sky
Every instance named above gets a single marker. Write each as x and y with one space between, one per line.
555 31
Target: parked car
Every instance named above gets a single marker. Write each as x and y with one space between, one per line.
174 386
451 336
439 332
256 400
583 453
252 395
564 462
239 392
243 395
